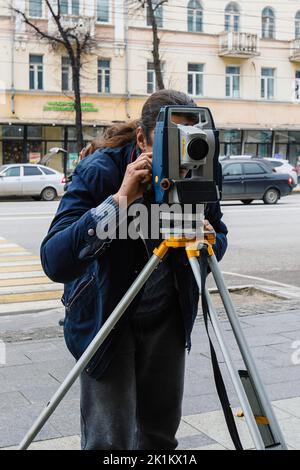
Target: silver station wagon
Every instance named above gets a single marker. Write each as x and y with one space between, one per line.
37 181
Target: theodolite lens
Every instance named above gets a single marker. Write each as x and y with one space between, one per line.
197 149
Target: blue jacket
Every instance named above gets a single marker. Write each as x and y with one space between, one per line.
96 274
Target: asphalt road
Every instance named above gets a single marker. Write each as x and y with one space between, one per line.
264 241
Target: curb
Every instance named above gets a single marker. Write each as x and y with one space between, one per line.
279 292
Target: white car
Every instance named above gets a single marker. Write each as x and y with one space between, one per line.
232 157
37 181
283 166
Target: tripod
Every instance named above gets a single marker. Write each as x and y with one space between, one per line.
257 409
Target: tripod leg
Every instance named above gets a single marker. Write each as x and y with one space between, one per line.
92 348
231 369
245 351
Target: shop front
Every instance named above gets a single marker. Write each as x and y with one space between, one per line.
27 143
281 144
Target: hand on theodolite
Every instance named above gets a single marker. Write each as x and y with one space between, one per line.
207 226
136 179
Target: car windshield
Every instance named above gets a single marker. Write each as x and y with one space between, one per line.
2 167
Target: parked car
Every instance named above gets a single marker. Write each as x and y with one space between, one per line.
253 179
234 157
37 181
283 166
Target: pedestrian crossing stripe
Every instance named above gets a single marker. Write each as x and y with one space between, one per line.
9 264
5 259
22 274
23 285
12 249
30 296
33 288
14 253
23 281
24 268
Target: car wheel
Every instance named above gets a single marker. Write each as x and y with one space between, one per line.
247 201
48 194
271 196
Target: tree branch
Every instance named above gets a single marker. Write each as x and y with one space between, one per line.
76 42
41 33
158 4
61 30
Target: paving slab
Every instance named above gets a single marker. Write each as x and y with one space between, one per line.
35 369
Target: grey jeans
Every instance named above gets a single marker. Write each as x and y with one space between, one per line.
136 405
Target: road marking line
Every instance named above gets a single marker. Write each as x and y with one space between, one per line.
29 297
17 268
3 244
27 281
14 252
11 248
244 212
20 263
24 287
21 275
30 217
30 288
27 214
36 306
259 279
18 258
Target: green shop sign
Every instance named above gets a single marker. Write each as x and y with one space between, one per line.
69 106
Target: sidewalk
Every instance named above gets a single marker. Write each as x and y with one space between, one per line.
35 368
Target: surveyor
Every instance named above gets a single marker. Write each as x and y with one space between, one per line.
132 390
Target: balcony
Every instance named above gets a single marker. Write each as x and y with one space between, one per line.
295 50
80 25
239 45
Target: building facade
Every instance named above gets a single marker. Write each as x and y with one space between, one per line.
241 59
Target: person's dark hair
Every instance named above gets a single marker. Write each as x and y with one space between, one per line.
122 134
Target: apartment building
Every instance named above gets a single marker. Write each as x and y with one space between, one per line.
241 59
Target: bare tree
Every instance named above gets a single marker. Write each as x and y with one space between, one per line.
75 40
153 7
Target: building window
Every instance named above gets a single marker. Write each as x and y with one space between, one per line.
287 145
35 8
104 76
35 72
230 142
195 79
158 13
267 83
103 11
232 82
69 7
268 23
297 85
258 143
232 17
195 16
66 74
297 25
151 77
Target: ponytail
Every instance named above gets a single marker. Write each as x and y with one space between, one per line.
118 135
